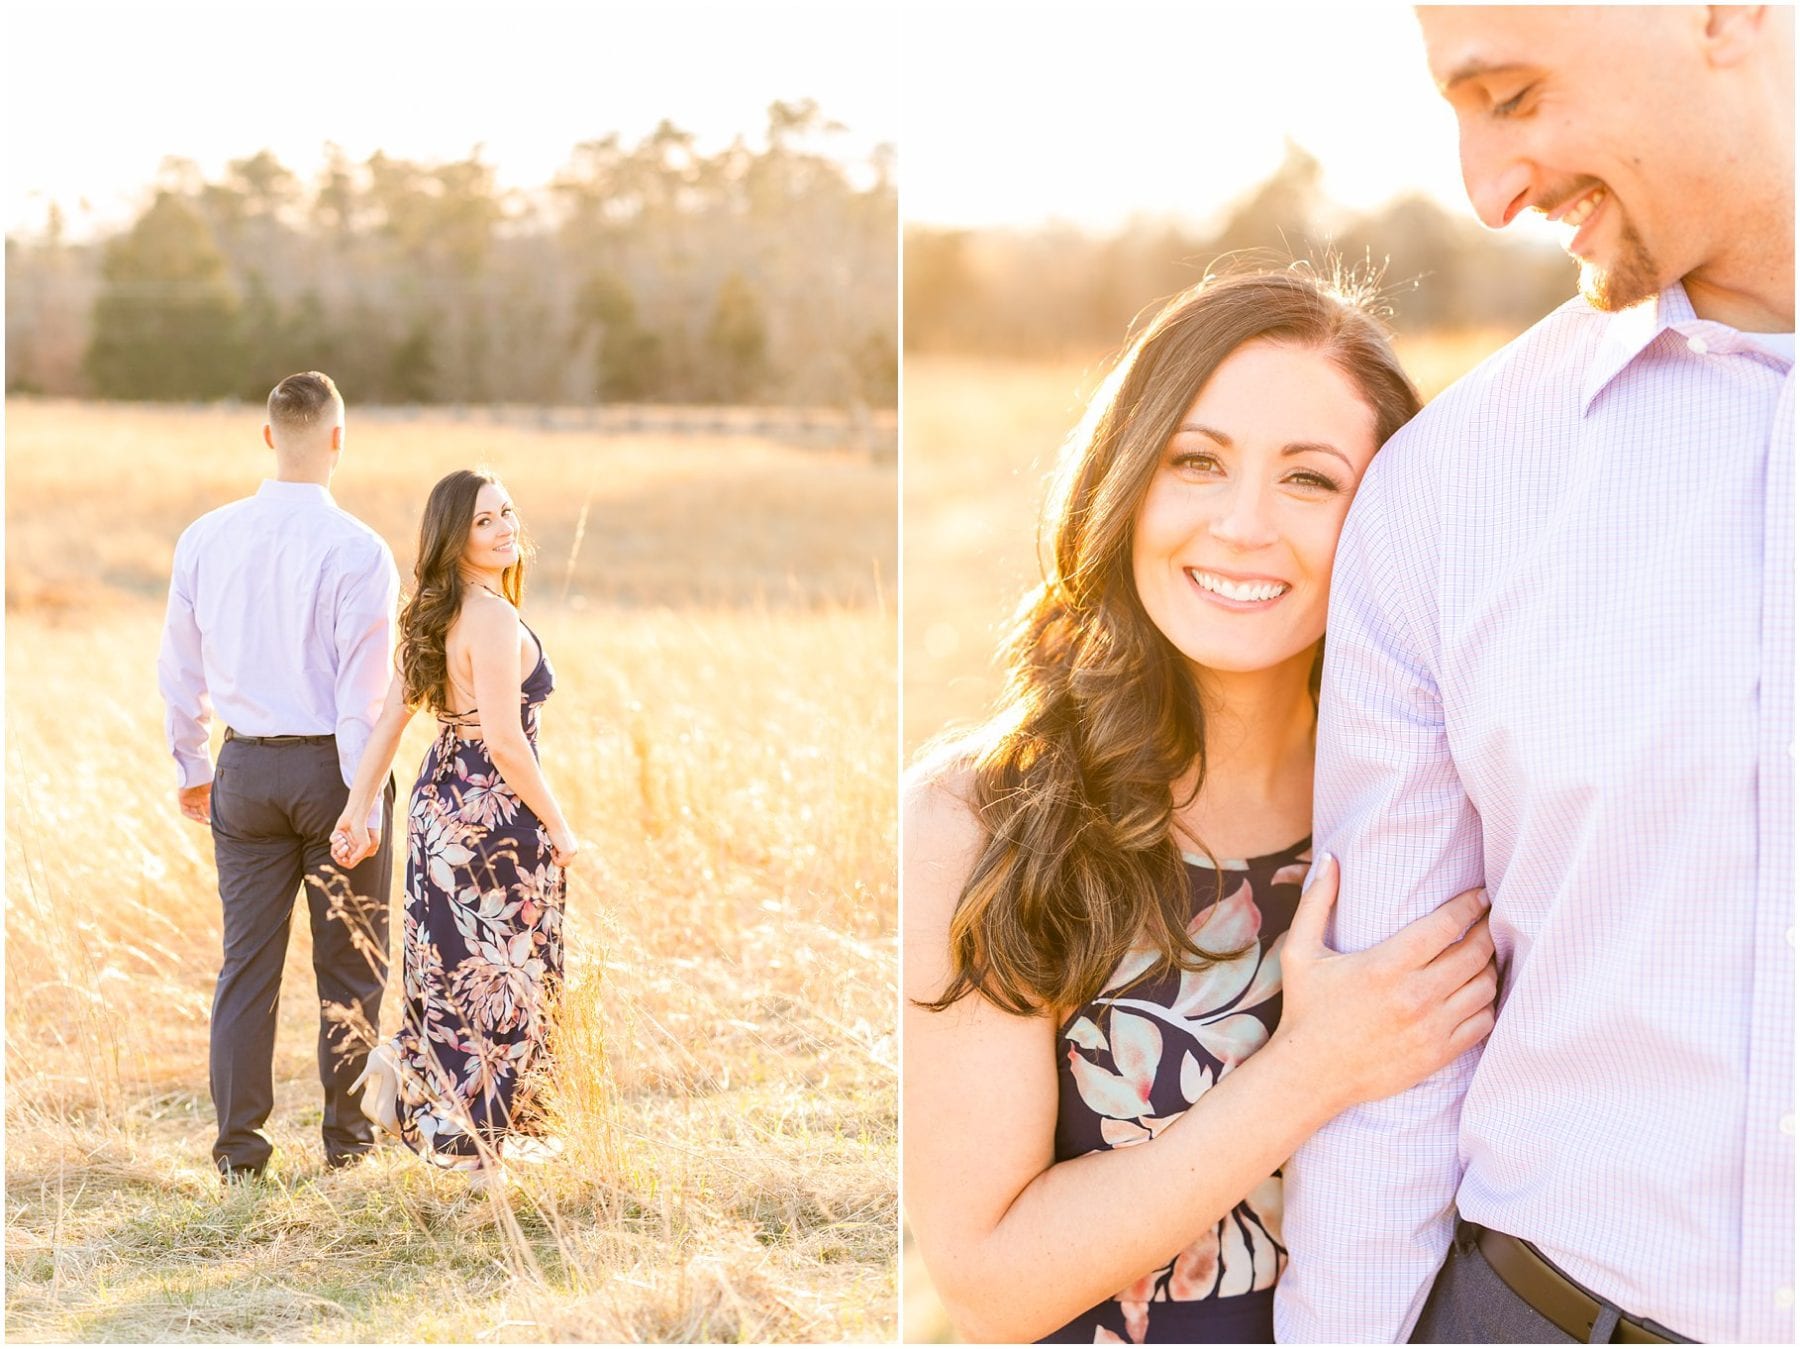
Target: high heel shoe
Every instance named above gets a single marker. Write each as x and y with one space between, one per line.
381 1095
486 1179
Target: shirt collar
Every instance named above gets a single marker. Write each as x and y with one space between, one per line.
295 493
1630 331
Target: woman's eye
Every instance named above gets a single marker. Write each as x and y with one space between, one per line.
1198 460
1308 478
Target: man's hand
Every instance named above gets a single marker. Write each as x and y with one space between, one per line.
352 840
196 802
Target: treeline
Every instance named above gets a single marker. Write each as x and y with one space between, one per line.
641 273
1061 289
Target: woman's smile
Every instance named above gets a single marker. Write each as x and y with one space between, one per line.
1244 593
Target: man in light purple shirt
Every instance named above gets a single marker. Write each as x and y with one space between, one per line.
1560 662
281 621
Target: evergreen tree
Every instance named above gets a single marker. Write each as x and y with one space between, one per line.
165 322
738 342
629 355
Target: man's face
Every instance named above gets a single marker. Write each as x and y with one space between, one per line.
1593 117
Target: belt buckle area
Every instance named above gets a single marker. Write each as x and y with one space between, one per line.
1551 1293
231 734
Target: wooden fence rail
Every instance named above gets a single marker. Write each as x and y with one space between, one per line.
861 431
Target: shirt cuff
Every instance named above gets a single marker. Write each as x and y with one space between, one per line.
195 770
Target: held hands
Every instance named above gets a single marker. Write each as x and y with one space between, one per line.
1375 1022
352 840
563 846
196 802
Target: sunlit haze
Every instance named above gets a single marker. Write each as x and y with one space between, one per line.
97 94
1089 115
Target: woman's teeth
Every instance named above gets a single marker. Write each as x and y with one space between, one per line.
1245 591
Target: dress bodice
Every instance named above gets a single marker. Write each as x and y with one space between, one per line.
534 692
1137 1056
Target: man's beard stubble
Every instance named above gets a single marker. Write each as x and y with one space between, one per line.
1630 278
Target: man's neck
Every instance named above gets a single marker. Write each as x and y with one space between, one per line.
1750 288
318 474
1763 309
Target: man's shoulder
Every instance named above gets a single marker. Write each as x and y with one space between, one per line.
1536 372
355 535
342 532
1554 349
217 519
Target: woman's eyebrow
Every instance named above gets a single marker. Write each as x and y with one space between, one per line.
1196 429
1302 446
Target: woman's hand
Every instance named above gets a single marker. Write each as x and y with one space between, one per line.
563 846
1377 1021
352 840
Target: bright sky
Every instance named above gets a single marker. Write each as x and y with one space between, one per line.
97 94
1017 114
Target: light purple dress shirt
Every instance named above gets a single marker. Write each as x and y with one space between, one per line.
281 621
1559 661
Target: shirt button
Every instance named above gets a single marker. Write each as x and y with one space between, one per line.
1784 1297
1787 1124
1789 934
1697 345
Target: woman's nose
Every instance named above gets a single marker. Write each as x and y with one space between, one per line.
1245 521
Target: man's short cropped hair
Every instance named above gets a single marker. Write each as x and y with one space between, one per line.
299 401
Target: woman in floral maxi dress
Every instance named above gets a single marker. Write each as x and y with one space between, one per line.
487 844
1122 1017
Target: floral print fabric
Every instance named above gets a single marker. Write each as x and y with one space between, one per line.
482 947
1136 1057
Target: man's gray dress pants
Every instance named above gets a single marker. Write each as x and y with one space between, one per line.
1470 1304
273 808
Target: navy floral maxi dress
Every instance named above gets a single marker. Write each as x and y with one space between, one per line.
482 946
1136 1057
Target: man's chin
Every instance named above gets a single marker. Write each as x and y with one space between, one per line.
1610 289
1628 278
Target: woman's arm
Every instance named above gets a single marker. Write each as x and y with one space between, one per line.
1017 1243
494 657
354 837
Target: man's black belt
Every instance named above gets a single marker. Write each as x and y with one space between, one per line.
280 739
1555 1296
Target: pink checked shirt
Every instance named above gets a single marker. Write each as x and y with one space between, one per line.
1560 663
280 620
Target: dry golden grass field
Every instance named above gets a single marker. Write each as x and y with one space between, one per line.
981 442
723 737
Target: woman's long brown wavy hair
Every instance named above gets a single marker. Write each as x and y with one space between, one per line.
1072 778
438 586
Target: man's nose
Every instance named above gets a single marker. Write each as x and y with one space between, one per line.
1496 177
